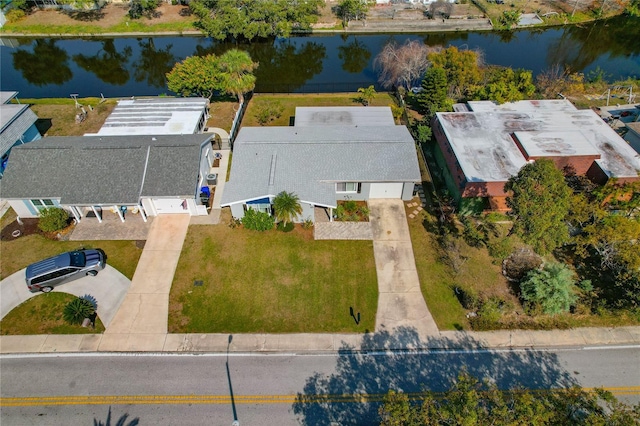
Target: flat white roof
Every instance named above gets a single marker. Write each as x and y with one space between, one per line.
344 116
486 151
155 116
556 144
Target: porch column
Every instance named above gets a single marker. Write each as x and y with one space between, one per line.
142 213
95 212
330 214
119 213
74 212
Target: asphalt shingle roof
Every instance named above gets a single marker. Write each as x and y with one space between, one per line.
15 120
104 170
309 160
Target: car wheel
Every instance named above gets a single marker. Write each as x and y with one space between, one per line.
92 273
46 289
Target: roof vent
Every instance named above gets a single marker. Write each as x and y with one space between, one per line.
272 172
154 139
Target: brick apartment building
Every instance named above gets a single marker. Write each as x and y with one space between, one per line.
481 148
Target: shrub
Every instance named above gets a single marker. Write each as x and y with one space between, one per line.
258 221
473 234
268 111
288 227
53 219
15 15
307 224
468 298
77 310
520 262
551 290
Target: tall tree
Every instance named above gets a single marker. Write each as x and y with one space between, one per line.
196 75
463 68
539 202
236 69
471 402
286 207
353 10
433 97
401 65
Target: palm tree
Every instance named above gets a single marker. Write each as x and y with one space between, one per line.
286 207
237 68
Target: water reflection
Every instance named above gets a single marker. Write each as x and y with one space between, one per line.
318 63
107 64
46 64
153 63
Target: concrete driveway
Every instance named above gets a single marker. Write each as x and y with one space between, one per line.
400 301
109 288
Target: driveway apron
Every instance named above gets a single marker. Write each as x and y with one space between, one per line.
141 320
400 300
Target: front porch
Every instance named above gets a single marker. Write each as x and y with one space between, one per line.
111 227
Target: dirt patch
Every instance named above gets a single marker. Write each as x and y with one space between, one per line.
15 230
110 15
60 120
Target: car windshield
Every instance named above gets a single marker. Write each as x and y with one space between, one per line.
77 258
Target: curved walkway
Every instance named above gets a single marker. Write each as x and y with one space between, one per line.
109 288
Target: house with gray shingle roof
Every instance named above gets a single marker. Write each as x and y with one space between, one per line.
148 174
17 126
330 154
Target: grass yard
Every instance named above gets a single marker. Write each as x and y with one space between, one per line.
20 252
271 282
57 117
47 308
290 102
222 113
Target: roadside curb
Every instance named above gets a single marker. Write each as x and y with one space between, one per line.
404 339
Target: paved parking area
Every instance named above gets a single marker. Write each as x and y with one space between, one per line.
109 288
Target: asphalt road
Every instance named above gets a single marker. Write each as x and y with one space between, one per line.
283 389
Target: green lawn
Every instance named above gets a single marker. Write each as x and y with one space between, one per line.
42 314
271 282
19 253
290 102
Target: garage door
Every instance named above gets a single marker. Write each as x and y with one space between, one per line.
170 205
386 190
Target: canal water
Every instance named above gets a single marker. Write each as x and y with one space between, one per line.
117 67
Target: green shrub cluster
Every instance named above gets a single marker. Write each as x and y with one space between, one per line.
77 310
53 219
257 221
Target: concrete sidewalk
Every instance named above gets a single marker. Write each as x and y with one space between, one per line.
324 343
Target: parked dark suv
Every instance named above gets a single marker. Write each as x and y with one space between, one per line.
54 271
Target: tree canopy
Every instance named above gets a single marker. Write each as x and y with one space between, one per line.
433 97
550 289
353 9
462 68
506 85
539 202
231 73
251 19
402 65
471 402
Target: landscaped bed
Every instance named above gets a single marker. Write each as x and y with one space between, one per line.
243 281
42 314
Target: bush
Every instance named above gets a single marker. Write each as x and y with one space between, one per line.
519 263
77 310
473 234
15 15
307 224
551 290
285 228
258 221
268 111
468 298
53 219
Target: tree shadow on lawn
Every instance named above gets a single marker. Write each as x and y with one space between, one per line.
86 15
382 364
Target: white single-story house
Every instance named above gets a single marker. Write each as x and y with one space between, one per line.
17 126
149 174
330 154
156 116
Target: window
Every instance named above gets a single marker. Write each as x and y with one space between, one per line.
348 187
42 204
